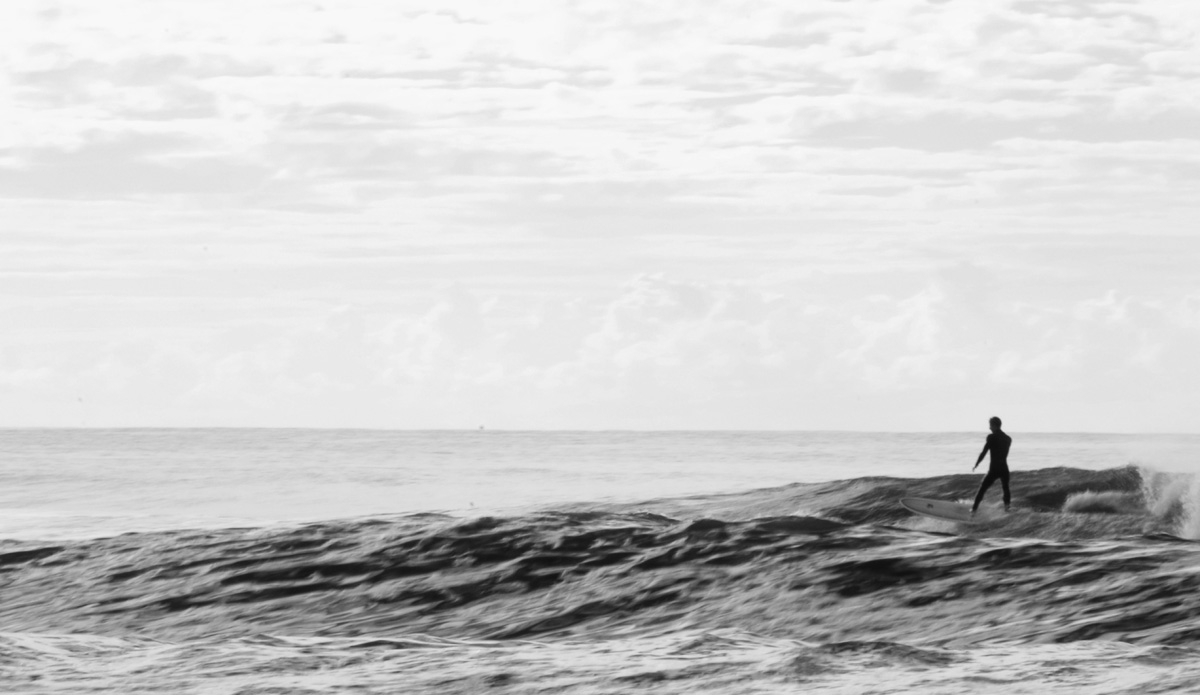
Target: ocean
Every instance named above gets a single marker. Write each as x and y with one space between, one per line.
248 561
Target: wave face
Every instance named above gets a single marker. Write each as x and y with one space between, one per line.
737 579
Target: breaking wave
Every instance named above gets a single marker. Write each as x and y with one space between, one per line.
1086 554
1091 577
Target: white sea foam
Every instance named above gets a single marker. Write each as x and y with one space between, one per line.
721 661
1174 497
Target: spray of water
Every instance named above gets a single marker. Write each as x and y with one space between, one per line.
1173 497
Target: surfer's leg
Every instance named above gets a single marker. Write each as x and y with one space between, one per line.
983 487
1007 493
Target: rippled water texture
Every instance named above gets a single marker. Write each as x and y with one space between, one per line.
824 586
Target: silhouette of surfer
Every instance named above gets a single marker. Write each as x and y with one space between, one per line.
998 444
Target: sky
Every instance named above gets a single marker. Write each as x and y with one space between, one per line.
890 215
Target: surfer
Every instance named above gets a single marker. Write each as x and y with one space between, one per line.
997 443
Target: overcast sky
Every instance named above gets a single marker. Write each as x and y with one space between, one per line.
871 215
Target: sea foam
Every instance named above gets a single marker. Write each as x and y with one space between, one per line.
1173 498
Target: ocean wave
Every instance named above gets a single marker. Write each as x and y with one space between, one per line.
858 569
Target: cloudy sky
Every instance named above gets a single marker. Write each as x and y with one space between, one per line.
861 214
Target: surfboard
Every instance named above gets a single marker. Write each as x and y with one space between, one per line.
941 509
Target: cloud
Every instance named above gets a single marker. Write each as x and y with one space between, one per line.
615 213
656 352
126 165
481 97
904 347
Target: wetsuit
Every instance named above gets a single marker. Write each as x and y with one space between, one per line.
998 444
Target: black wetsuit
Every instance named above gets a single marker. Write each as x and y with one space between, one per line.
998 444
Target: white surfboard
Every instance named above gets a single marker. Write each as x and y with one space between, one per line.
941 509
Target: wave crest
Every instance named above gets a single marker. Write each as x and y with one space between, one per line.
1173 498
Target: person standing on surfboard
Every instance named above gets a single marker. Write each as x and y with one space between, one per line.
998 444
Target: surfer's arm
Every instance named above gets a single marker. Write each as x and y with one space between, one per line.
987 445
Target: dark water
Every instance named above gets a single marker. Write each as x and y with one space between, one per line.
1086 587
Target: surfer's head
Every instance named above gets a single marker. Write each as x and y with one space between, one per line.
994 423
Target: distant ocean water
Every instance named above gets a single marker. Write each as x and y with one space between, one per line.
298 562
75 483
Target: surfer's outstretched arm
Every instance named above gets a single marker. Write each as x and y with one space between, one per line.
986 446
